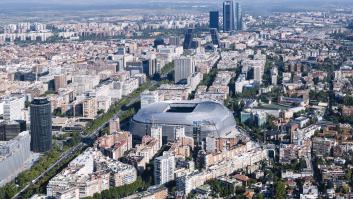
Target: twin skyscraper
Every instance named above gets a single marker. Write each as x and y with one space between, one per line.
232 17
232 21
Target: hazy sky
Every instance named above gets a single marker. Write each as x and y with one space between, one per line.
164 1
41 5
143 1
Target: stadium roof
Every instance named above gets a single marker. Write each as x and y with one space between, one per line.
189 113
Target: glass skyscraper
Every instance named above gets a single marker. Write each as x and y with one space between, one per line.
215 36
189 36
238 17
214 19
41 125
228 16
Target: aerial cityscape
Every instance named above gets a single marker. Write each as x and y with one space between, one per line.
232 99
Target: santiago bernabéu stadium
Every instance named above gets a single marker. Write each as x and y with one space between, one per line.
207 116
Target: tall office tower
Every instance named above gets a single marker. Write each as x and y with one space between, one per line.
183 67
157 133
238 17
41 124
189 36
214 19
164 167
215 36
228 16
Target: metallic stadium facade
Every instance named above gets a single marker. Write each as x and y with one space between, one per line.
206 116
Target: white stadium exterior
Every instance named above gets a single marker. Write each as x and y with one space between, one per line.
207 116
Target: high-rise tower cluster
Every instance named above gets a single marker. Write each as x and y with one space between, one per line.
232 17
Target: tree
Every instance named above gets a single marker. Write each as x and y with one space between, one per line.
280 190
220 189
8 191
105 131
259 196
302 164
190 196
345 188
239 190
121 192
270 125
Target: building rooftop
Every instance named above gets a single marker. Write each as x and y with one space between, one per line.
188 113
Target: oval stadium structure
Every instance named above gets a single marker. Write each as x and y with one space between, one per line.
203 117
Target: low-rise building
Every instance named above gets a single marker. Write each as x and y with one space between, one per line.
149 97
322 146
116 144
154 192
90 173
225 166
143 153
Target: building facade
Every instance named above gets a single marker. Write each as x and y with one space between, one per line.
214 20
189 36
228 16
238 16
164 167
41 125
184 67
149 97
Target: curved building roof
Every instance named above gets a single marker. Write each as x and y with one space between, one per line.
188 113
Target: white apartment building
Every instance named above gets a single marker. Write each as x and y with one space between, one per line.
15 156
13 107
164 167
258 73
241 82
149 97
84 83
90 173
157 133
274 76
129 86
184 67
189 182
